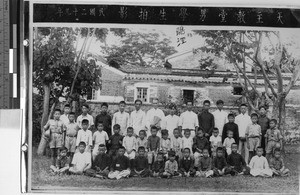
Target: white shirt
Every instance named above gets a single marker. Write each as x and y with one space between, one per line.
88 117
176 143
228 141
121 118
220 120
100 137
243 120
138 121
170 123
81 160
215 140
259 163
130 143
187 142
189 120
150 117
84 136
64 118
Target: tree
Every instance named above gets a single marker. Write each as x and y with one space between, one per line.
140 49
266 54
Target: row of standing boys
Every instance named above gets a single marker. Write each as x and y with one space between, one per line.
168 136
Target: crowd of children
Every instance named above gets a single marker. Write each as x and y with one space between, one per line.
172 146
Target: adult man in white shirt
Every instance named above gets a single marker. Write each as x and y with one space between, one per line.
154 117
243 120
85 115
220 117
137 119
121 118
171 121
189 120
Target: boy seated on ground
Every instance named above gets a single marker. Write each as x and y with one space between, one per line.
171 166
186 164
219 164
158 166
101 164
140 164
62 164
120 166
236 162
277 165
115 141
259 165
204 168
81 160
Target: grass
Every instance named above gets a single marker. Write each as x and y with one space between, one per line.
42 180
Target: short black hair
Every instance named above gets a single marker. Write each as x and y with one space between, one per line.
129 129
220 102
277 150
244 105
57 110
176 129
164 132
259 147
138 100
215 129
160 154
233 144
154 128
116 126
171 153
187 149
121 147
172 106
231 115
104 104
143 131
85 121
187 130
141 148
206 101
205 149
274 120
85 105
67 106
82 144
122 102
72 113
254 114
102 145
219 149
63 148
200 130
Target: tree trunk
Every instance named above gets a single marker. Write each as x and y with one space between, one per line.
44 140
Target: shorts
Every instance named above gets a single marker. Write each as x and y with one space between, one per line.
56 140
70 143
271 145
253 143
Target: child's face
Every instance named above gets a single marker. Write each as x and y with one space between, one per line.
272 124
206 106
165 136
262 111
122 107
176 133
56 115
254 119
234 148
104 109
230 134
153 132
187 134
220 153
84 126
231 119
243 109
172 158
159 158
220 106
172 111
121 151
84 110
186 153
259 151
141 152
81 148
63 153
130 132
102 150
67 110
200 134
100 127
205 153
277 155
216 133
116 131
71 117
142 135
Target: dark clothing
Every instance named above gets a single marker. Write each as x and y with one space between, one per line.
120 163
62 161
101 161
201 143
115 141
237 161
219 163
234 128
205 164
206 122
158 167
140 163
106 120
186 164
144 173
153 143
263 121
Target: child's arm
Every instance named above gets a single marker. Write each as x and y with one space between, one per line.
46 127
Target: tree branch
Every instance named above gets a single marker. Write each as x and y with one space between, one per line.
294 78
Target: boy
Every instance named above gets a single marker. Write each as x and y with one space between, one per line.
277 164
85 135
206 120
122 118
200 143
219 164
129 142
105 118
259 165
220 116
100 166
176 143
186 164
65 117
81 160
236 162
171 121
204 168
153 145
165 143
187 141
120 166
85 109
189 120
115 141
71 128
158 166
273 137
228 142
215 141
264 122
171 166
140 164
142 141
55 127
231 126
253 135
62 162
99 137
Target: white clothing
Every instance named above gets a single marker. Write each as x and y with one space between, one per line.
189 120
227 144
81 160
137 121
150 117
220 120
215 140
165 145
259 167
88 117
99 138
243 120
176 144
64 118
187 143
121 118
130 143
84 136
118 174
170 123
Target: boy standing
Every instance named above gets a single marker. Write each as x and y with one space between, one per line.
165 142
120 166
228 142
137 119
115 141
85 109
263 121
189 120
200 143
71 128
129 142
187 140
140 164
55 127
65 116
85 135
273 137
153 145
259 165
105 119
236 162
219 164
122 118
99 137
215 141
101 164
186 164
220 116
171 166
277 164
253 135
81 160
62 162
206 120
141 140
176 143
231 126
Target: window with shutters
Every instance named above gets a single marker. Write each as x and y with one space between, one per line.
142 93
